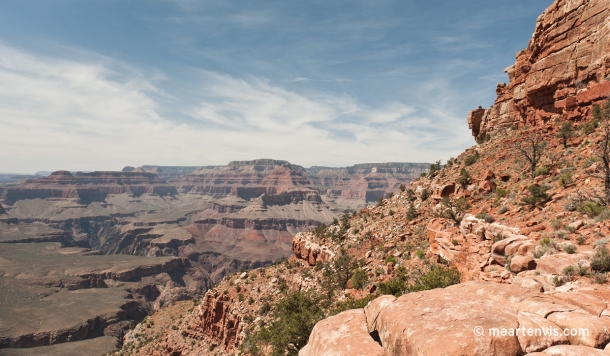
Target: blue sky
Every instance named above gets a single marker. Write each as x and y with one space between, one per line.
97 85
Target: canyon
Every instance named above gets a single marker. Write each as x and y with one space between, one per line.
485 242
85 256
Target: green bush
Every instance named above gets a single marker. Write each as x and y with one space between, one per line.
380 202
391 259
472 159
570 249
581 240
556 224
565 178
569 271
359 278
499 237
503 210
437 277
604 215
453 209
600 278
425 194
601 260
591 208
435 168
464 178
566 131
349 304
501 193
545 241
320 231
538 194
294 317
337 273
411 212
581 270
394 286
589 127
411 195
542 171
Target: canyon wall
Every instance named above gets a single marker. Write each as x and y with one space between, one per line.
562 72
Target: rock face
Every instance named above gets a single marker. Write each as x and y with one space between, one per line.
562 72
218 322
88 187
473 318
248 179
344 334
309 251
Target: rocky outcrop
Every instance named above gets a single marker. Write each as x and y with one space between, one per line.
473 318
344 334
219 321
562 72
312 252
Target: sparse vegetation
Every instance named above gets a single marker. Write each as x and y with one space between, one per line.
359 279
570 249
464 178
453 209
538 195
425 194
531 148
294 317
566 132
472 159
601 260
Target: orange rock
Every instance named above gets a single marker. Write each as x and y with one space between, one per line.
344 334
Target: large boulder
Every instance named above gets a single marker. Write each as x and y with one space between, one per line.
344 334
473 318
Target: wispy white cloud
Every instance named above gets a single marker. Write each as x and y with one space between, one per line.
62 114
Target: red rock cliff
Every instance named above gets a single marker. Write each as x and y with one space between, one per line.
562 72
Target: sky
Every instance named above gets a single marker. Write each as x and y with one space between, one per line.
102 84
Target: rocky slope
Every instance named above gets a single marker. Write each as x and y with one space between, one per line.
484 256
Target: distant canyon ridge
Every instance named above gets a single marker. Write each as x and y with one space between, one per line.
143 237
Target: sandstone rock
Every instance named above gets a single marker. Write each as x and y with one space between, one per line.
570 350
488 175
554 264
530 341
567 52
372 310
487 186
585 301
441 322
576 224
590 330
522 263
217 321
498 249
309 251
343 334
